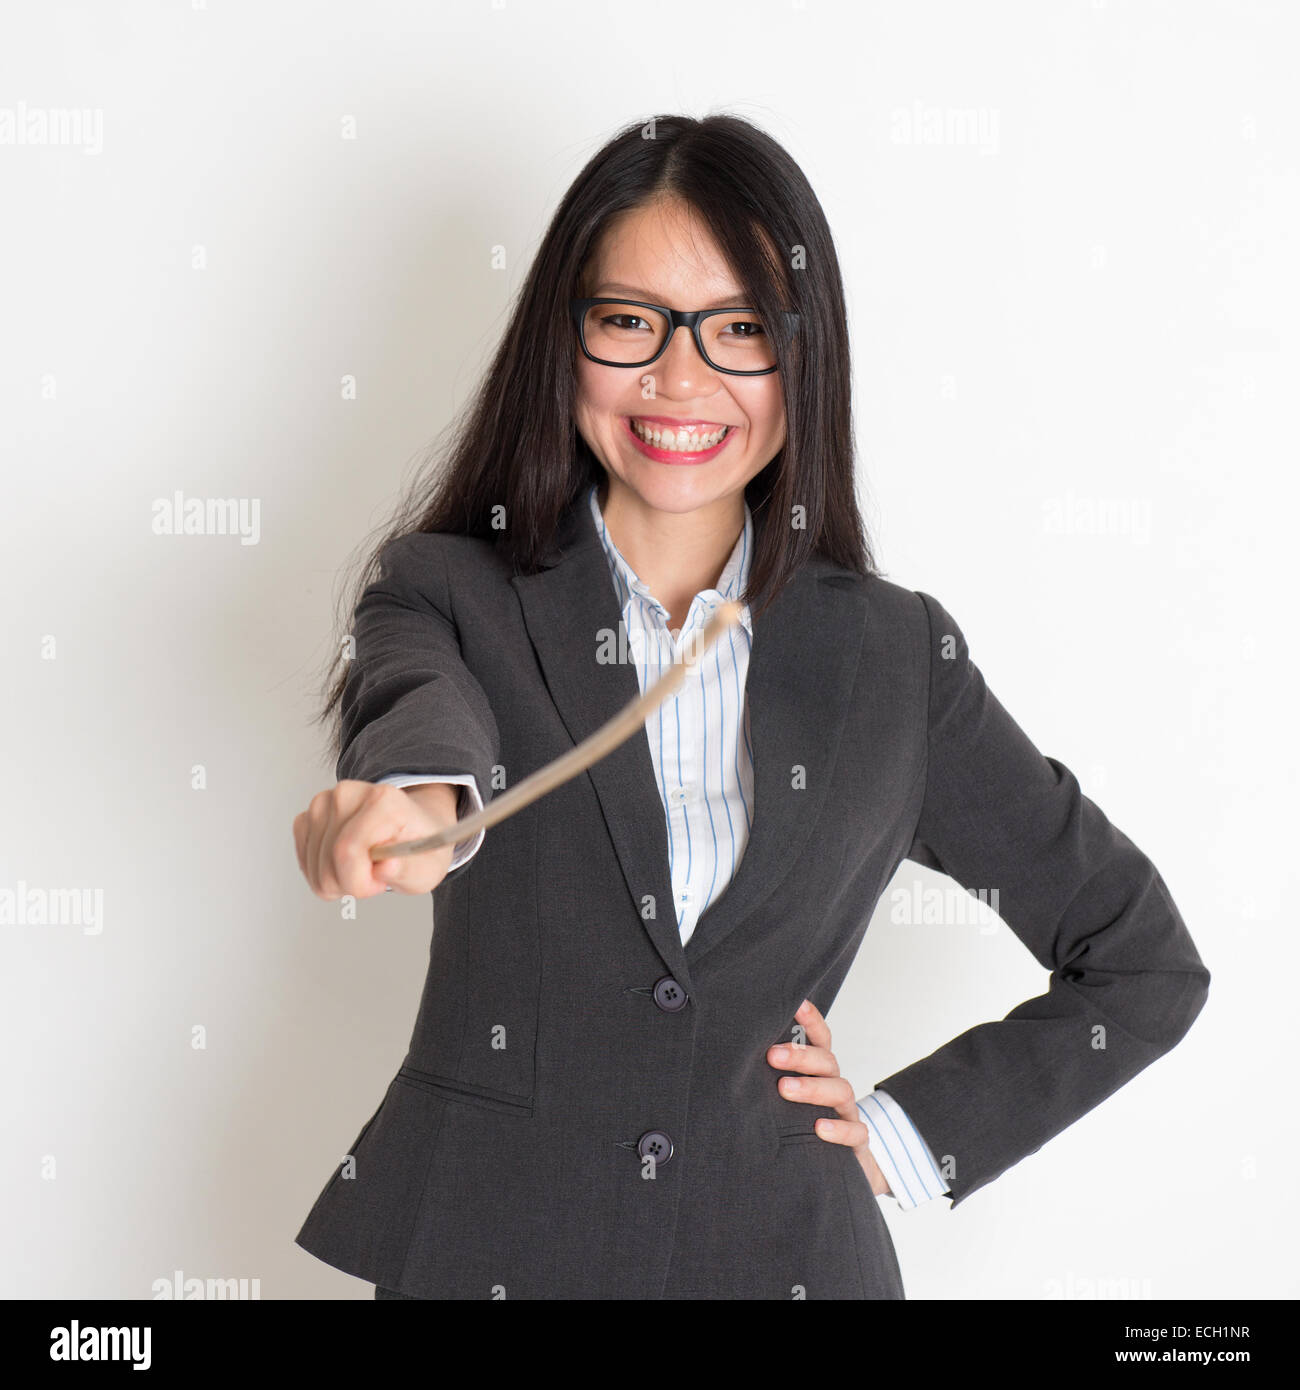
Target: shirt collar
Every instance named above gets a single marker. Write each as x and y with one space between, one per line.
731 582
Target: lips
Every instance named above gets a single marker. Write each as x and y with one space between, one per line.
677 441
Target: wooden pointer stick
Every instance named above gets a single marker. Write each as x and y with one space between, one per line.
608 737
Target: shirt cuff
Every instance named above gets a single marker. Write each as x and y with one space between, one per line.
902 1155
470 802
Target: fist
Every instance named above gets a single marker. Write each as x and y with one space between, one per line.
334 835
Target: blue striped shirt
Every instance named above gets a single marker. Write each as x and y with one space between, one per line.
699 738
703 766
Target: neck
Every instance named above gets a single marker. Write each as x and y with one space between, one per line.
675 554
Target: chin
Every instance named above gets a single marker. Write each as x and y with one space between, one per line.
680 495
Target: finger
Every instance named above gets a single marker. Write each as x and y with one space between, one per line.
818 1090
353 869
300 840
815 1061
852 1133
415 873
359 809
319 838
313 829
816 1028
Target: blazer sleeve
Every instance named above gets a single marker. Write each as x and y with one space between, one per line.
1126 981
410 705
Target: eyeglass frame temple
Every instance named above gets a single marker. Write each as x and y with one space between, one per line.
677 318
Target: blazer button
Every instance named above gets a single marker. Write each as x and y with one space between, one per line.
669 995
655 1144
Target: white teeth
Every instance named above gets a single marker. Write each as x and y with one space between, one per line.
684 441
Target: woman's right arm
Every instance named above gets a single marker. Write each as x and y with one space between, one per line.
410 707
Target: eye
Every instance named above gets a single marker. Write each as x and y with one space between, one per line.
622 320
750 329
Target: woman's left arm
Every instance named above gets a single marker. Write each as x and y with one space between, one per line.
1126 979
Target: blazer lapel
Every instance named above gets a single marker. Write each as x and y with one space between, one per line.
802 668
566 606
801 675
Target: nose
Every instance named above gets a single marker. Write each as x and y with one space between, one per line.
682 369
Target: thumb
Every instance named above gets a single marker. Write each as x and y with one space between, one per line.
390 870
411 873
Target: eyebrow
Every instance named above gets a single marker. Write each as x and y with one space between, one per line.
731 301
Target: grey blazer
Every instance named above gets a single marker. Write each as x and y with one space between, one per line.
585 1109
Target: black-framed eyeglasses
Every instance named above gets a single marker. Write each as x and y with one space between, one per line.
630 333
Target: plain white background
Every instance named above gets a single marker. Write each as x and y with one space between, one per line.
1068 232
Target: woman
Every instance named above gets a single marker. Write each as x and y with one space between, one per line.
593 1103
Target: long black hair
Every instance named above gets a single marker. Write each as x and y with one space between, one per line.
515 445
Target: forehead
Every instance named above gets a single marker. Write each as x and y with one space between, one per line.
662 252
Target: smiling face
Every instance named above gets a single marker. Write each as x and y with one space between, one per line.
662 254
